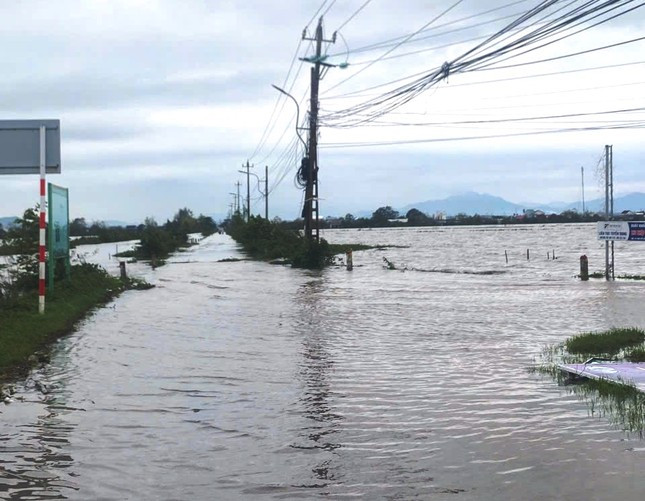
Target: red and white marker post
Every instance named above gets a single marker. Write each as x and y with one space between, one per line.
41 239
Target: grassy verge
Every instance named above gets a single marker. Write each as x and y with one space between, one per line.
23 332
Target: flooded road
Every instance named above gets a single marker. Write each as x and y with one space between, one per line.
243 380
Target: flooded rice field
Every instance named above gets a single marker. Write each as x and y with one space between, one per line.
244 380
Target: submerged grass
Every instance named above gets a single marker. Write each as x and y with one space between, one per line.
622 403
636 355
609 342
631 277
23 331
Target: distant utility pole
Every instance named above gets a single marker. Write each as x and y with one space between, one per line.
582 172
234 210
248 188
266 192
609 208
237 207
311 187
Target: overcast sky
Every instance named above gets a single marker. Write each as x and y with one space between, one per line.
161 101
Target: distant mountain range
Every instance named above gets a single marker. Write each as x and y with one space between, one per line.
484 204
474 203
7 221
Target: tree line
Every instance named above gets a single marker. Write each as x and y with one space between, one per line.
386 216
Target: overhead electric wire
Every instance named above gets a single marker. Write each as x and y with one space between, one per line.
562 38
397 45
393 41
514 119
286 129
553 73
397 97
316 14
356 12
468 138
280 96
565 56
328 8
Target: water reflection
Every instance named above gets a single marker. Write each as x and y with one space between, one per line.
37 463
623 406
313 371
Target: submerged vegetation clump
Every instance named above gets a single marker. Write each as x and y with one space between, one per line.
636 355
622 403
609 342
266 240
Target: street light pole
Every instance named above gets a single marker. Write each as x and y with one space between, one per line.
297 112
266 190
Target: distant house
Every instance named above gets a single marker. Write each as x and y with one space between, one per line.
402 220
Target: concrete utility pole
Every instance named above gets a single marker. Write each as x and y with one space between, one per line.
237 207
266 192
609 208
234 203
248 188
611 202
311 187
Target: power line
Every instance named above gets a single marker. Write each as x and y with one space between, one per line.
392 41
488 136
316 13
469 61
277 101
353 15
397 45
517 119
328 8
567 36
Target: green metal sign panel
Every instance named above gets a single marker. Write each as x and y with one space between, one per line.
58 229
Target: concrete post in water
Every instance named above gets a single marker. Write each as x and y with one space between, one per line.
124 274
350 260
528 257
506 256
584 268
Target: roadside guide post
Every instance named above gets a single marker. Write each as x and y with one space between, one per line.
32 147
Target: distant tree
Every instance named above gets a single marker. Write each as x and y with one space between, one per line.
155 243
381 215
206 225
2 232
417 218
78 227
21 241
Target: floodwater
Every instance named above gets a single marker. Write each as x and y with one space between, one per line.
244 380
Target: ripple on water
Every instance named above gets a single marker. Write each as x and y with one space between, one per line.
291 384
